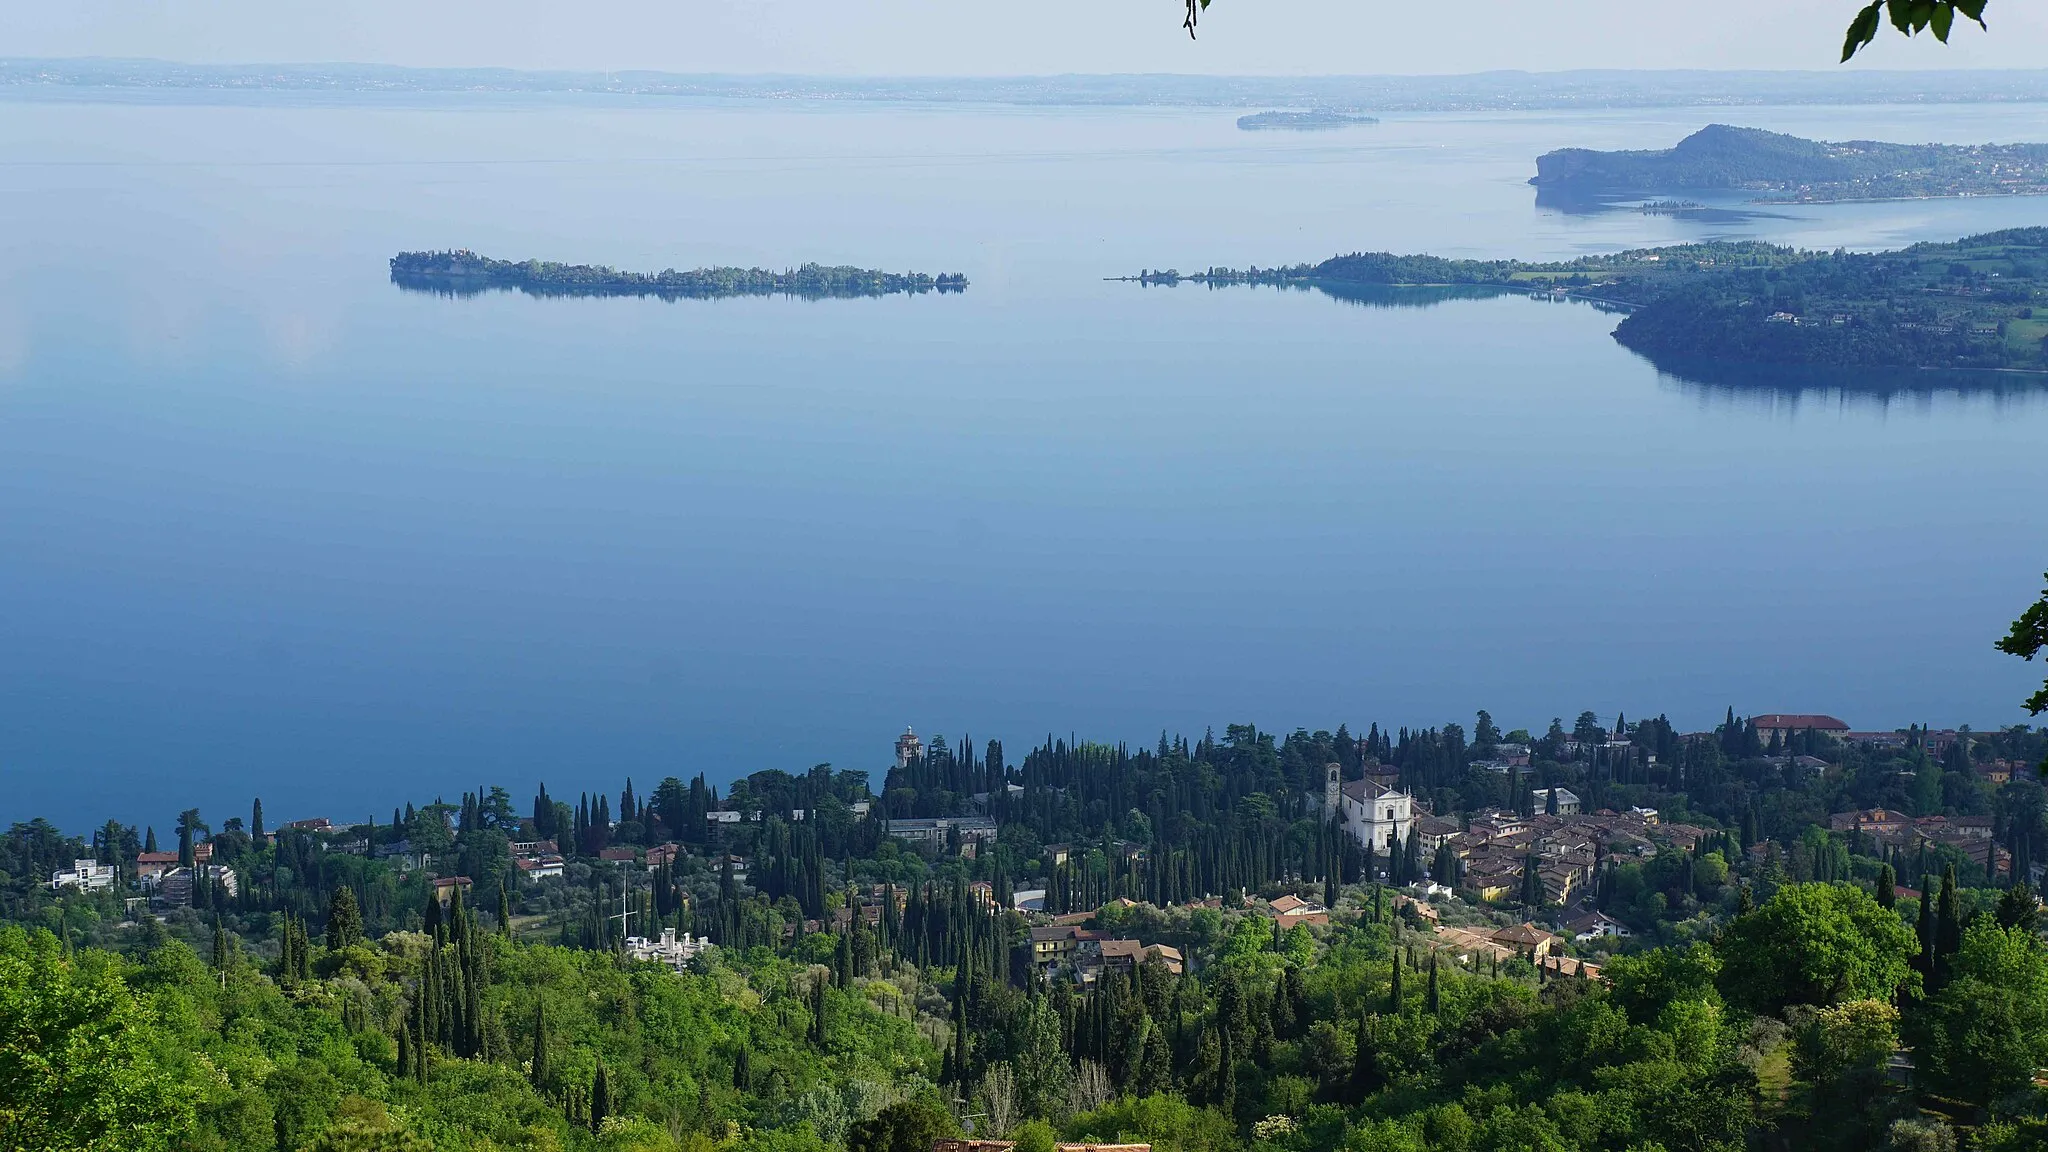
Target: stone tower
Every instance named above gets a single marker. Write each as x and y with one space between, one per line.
909 749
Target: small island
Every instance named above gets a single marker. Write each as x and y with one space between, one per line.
464 273
1783 169
1972 304
1312 120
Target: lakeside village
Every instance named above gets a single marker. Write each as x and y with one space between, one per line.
1564 871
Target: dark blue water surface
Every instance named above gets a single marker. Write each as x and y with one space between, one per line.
269 525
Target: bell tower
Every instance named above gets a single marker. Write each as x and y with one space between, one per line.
1333 791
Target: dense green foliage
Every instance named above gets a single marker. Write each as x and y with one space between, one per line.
1788 168
864 996
466 273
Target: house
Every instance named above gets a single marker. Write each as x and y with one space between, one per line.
150 866
618 855
1290 910
1432 831
722 816
1423 908
1779 725
1567 801
1596 926
1058 942
538 867
1033 900
1124 955
1526 940
84 875
534 848
1871 822
663 855
447 888
671 950
178 885
317 824
1647 815
1376 815
937 829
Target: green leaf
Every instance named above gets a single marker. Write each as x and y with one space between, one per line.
1862 30
1944 18
1974 9
1902 15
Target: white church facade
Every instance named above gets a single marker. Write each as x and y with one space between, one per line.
1375 816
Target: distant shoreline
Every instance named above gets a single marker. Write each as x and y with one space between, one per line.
1489 91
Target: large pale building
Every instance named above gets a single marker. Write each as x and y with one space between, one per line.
1375 815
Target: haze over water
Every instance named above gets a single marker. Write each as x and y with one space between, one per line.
269 525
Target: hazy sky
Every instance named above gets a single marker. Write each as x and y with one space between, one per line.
930 37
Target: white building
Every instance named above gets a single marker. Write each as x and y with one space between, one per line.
1375 816
670 949
84 875
1567 801
538 867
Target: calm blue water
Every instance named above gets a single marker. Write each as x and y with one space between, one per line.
270 525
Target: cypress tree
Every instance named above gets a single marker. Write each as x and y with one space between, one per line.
504 909
742 1070
1365 1064
220 945
256 821
600 1098
1435 1001
344 919
538 1069
1925 930
149 840
1394 991
1948 925
1887 886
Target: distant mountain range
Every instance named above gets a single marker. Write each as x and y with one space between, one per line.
1790 169
23 78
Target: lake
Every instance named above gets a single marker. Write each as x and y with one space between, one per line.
271 526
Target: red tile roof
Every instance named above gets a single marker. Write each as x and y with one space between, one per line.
1798 720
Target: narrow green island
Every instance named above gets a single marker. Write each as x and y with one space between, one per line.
1311 120
1973 304
1789 170
464 273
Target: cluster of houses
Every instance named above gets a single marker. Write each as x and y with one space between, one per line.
1969 835
1567 846
159 875
1088 953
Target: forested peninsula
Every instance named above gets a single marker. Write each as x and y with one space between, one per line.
1312 120
1788 169
464 273
1975 303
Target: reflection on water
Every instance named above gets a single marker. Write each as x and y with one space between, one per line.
1691 206
1873 387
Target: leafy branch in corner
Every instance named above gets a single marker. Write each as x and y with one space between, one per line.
2028 637
1909 17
